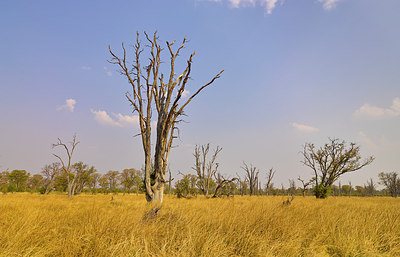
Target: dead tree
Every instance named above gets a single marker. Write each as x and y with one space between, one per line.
251 176
164 92
49 173
270 176
66 164
292 187
305 185
370 187
222 183
205 170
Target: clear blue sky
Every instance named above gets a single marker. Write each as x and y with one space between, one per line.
295 72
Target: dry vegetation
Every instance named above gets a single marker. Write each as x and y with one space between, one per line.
92 225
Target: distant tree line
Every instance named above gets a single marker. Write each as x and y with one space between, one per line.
128 181
328 162
53 178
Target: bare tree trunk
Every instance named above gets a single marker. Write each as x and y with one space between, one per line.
163 94
252 177
66 166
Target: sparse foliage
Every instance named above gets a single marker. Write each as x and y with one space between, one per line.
391 181
331 161
205 169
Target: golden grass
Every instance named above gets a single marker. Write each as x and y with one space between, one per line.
92 225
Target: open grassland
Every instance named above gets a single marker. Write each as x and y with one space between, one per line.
92 225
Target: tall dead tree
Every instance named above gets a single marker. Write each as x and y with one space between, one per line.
151 88
270 176
205 170
67 165
251 176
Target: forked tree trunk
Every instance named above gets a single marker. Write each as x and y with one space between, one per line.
151 90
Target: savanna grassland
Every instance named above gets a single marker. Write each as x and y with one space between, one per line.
93 225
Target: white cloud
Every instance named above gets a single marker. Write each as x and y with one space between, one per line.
126 120
119 120
104 119
108 72
329 4
68 106
86 67
269 5
304 128
374 112
185 93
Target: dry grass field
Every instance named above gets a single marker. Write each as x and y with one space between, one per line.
92 225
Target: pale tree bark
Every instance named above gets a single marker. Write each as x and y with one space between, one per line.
252 177
152 89
66 164
205 170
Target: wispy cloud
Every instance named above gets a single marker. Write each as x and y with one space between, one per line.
304 128
270 5
329 4
374 112
367 141
119 120
68 106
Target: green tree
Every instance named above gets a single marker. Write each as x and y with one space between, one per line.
112 177
104 183
331 161
4 181
93 181
18 179
35 182
81 174
126 178
186 186
61 182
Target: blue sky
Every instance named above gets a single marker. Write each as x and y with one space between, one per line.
295 72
